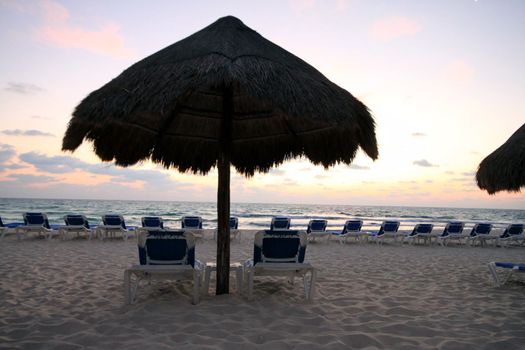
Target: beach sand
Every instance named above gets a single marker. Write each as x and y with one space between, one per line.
69 295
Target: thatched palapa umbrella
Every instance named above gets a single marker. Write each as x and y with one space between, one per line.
220 97
504 169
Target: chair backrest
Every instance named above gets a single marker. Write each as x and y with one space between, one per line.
286 246
76 220
234 223
280 223
481 229
113 220
36 219
512 230
453 228
388 226
191 222
152 222
166 247
352 226
316 225
422 229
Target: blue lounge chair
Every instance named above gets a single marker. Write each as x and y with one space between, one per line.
317 229
512 267
35 222
280 223
234 229
453 230
113 224
513 233
481 233
420 232
164 254
351 229
280 253
388 229
193 223
152 222
75 224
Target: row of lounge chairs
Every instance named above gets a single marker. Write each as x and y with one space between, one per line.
453 231
113 225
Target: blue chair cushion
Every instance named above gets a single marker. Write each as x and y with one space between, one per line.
167 246
113 220
152 221
192 222
36 219
76 220
507 265
280 245
316 225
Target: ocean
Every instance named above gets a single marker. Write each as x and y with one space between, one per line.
254 215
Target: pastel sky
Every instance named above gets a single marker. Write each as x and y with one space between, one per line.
445 81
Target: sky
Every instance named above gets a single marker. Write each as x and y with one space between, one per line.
444 80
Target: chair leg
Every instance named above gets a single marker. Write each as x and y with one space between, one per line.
250 284
492 269
311 293
206 285
196 287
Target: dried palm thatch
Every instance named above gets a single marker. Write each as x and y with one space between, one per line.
504 169
169 107
223 96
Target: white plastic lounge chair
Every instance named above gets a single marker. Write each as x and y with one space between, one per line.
164 254
75 224
420 232
280 253
193 223
317 229
234 229
112 225
351 229
36 223
280 223
512 267
481 233
453 231
513 233
388 229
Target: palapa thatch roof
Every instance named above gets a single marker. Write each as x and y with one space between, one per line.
169 107
504 169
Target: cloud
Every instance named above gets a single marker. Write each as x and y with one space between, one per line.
29 179
31 132
58 31
277 172
419 134
38 117
6 152
394 27
469 173
424 163
358 167
68 164
23 88
459 71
